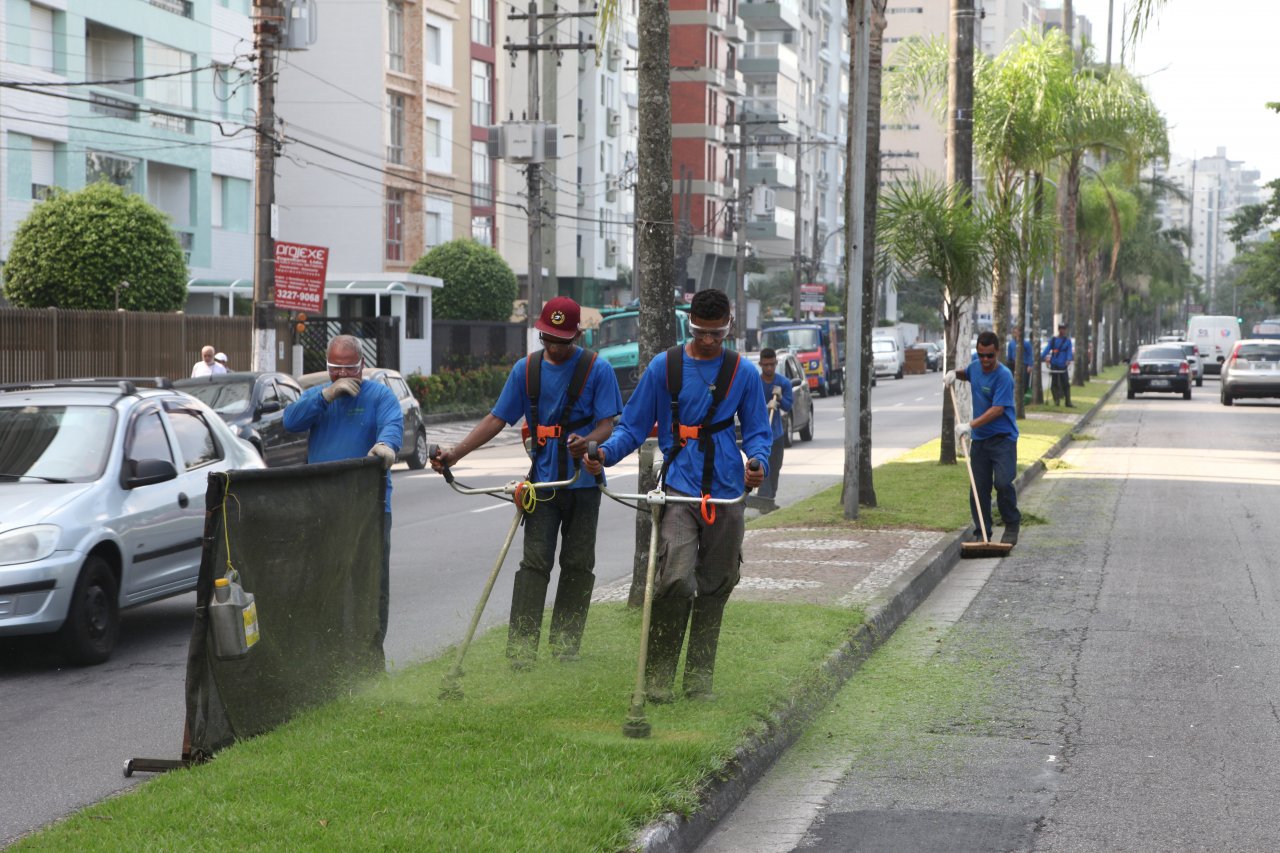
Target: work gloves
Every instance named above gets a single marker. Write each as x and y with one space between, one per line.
343 387
380 450
963 431
949 378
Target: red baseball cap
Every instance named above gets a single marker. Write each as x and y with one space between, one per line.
560 318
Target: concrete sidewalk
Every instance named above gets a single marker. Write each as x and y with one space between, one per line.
886 573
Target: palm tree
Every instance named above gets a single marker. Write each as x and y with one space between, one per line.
929 230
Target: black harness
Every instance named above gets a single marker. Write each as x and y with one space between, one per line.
559 432
704 432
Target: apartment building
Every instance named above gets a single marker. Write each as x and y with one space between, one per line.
158 137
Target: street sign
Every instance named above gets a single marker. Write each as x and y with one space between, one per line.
815 305
813 289
300 272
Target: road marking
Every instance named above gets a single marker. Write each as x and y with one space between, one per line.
918 399
487 508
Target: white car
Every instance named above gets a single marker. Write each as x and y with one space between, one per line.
102 487
887 357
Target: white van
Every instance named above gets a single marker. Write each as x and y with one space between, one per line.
1215 335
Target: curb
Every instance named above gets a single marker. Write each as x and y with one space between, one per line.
728 786
437 418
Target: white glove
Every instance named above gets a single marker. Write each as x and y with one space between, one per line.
380 450
964 430
346 386
772 405
949 378
777 393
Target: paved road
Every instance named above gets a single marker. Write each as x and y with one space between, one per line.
65 732
1131 643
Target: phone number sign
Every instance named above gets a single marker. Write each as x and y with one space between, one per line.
300 274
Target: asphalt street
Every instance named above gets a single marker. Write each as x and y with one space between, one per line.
1131 644
65 732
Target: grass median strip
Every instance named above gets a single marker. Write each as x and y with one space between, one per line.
525 761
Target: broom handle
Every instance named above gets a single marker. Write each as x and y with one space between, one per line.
973 484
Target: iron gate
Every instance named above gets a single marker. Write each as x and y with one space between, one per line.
379 339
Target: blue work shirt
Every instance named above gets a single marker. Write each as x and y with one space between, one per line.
600 399
349 426
1060 352
992 389
1011 351
785 403
651 402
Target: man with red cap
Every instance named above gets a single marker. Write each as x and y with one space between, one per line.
567 398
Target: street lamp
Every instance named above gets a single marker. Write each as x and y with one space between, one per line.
119 287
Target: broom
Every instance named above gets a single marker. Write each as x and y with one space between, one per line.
985 548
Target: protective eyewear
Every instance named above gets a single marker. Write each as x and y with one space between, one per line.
986 355
717 334
547 340
344 368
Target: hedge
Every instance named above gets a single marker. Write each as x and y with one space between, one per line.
458 390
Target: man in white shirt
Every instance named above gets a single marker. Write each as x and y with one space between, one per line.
206 366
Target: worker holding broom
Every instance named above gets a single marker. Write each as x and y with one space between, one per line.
778 399
993 437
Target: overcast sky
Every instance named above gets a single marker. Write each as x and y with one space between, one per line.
1211 67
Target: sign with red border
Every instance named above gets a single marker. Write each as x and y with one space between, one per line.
300 274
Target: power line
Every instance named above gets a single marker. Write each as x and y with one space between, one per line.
14 84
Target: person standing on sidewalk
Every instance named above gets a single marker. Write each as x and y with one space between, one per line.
1028 359
207 365
1060 353
707 389
347 419
567 397
993 436
778 399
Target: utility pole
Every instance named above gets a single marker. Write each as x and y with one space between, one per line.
799 235
856 178
740 254
266 30
533 172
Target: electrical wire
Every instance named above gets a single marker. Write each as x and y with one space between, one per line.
13 84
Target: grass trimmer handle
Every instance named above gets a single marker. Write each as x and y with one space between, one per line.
593 453
433 451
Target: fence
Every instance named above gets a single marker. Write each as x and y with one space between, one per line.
379 339
465 344
52 343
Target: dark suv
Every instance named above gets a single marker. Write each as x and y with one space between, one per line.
414 449
253 406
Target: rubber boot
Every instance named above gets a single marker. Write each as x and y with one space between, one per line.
704 638
569 616
528 600
666 635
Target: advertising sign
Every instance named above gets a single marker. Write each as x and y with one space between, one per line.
300 272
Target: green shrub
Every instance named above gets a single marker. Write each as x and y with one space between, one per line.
458 390
478 283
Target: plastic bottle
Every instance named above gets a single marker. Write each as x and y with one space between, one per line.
234 617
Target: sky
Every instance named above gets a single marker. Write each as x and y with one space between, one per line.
1210 67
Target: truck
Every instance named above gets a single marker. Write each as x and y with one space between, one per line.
1215 335
617 341
817 343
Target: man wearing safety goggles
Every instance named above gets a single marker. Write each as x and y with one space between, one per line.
566 397
698 560
347 419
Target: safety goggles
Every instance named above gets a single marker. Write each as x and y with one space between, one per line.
344 368
716 334
986 355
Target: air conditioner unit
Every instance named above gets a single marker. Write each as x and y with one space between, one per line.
611 253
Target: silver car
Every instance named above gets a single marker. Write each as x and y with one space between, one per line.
1192 354
1252 370
102 487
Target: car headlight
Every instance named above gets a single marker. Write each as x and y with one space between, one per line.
28 544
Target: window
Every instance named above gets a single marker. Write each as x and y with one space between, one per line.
40 44
395 35
432 221
482 230
195 439
395 225
287 395
395 128
481 175
109 56
120 171
413 317
481 22
41 167
215 198
169 188
481 92
432 137
148 441
433 45
162 59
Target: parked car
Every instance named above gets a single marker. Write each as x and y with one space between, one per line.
1252 370
800 418
414 449
102 486
1192 354
253 406
932 354
1159 367
886 357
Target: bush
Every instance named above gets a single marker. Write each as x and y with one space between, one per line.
75 248
458 390
478 283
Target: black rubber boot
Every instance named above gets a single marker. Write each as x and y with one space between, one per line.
704 637
569 616
666 635
528 600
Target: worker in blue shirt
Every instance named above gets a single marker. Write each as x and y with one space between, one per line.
993 436
698 560
1060 353
349 418
558 438
1011 355
777 399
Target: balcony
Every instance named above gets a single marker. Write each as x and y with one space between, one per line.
780 111
770 14
778 226
773 168
767 59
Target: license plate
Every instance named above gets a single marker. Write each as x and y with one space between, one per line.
1159 383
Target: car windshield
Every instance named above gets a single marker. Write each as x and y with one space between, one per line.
1259 352
792 339
881 345
1158 353
228 399
618 330
55 443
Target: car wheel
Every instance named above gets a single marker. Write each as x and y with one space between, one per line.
806 432
89 634
1227 399
898 375
1131 394
787 440
1200 381
418 459
1186 394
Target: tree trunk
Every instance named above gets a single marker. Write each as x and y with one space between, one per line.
1037 379
875 56
950 335
1067 267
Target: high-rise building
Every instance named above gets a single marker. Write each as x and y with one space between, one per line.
159 137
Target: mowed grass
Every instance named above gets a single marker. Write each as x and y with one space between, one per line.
528 761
